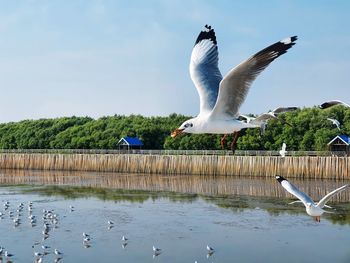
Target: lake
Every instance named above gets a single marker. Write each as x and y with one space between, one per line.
243 219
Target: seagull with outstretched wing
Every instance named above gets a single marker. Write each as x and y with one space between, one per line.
335 122
221 97
312 208
262 119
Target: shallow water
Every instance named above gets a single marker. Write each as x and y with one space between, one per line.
245 220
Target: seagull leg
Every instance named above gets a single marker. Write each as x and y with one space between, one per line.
317 219
223 142
233 144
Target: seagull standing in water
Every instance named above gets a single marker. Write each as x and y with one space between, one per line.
283 151
313 209
221 97
156 250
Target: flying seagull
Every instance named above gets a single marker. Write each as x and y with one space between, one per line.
313 209
332 103
262 119
221 97
335 122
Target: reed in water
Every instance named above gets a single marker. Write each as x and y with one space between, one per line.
319 167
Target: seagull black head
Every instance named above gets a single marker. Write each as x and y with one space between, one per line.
280 178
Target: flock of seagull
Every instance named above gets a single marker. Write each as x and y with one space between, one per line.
50 220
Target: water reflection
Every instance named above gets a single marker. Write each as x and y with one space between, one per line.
234 193
205 185
246 219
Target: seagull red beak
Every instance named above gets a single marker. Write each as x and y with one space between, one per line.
176 133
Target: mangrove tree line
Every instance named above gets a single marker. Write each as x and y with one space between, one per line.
309 129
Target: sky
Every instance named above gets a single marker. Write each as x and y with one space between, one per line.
105 57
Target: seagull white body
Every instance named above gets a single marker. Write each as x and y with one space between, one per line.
334 122
221 97
124 238
283 151
312 208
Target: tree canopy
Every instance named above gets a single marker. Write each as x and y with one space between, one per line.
309 129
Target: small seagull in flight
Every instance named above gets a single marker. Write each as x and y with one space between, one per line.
335 122
332 103
313 209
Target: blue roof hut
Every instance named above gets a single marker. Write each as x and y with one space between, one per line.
127 143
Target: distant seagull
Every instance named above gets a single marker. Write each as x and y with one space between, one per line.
45 247
332 103
57 252
156 250
85 235
110 222
210 249
335 122
221 98
125 239
8 255
283 150
38 254
313 209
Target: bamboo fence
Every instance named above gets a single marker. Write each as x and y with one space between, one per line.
318 167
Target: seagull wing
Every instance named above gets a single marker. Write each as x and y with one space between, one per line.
325 199
335 122
245 118
204 69
265 117
294 191
235 85
332 103
280 110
